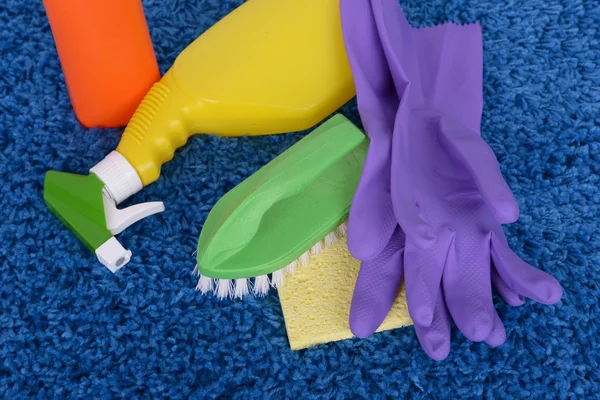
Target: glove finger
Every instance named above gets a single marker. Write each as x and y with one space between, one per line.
423 275
402 188
522 277
371 221
435 338
511 297
498 335
396 37
467 285
479 159
376 287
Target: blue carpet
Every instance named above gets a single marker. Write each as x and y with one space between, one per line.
70 329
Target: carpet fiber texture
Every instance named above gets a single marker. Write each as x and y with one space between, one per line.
71 329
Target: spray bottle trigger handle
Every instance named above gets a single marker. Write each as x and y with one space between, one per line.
119 220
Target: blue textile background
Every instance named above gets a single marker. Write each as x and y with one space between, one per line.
71 329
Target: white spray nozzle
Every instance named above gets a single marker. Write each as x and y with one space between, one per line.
112 255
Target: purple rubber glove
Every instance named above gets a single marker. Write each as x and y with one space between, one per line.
440 160
380 276
372 222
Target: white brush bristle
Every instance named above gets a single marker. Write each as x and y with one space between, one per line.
205 284
224 288
241 288
277 279
196 272
331 239
317 248
342 229
291 268
303 260
261 285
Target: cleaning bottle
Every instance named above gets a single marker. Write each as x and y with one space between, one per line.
106 55
268 67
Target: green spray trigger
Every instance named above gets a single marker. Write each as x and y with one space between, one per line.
81 210
81 204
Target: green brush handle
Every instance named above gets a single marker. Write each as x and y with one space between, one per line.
240 212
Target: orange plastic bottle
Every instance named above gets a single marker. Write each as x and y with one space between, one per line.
107 57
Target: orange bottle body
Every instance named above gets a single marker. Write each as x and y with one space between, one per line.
106 55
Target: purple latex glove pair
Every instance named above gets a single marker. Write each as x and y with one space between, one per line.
431 199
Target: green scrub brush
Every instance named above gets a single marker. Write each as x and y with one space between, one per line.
287 211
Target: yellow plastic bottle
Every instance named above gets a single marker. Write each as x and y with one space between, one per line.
270 66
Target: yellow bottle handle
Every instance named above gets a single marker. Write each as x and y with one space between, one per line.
157 129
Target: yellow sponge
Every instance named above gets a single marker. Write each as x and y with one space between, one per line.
316 299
